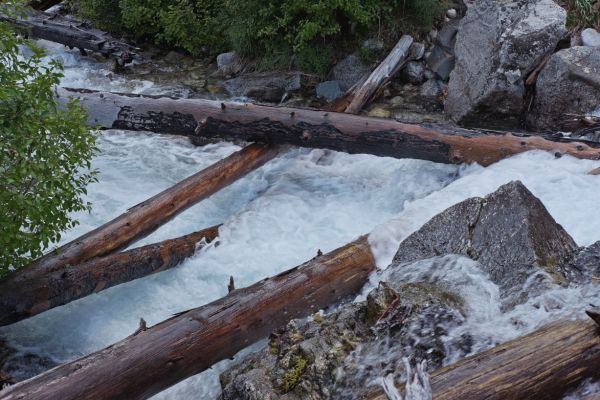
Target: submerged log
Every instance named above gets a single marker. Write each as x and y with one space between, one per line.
381 75
207 120
146 217
158 357
25 299
541 365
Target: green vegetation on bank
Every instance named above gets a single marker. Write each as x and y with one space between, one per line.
45 152
305 34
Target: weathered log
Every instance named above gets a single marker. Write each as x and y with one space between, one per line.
206 120
380 75
71 33
154 359
25 299
43 5
541 365
146 217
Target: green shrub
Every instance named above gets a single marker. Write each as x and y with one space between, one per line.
45 152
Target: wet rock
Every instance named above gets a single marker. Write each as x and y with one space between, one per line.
268 87
416 51
509 233
451 13
590 37
432 94
334 357
349 71
568 84
413 72
498 44
229 64
378 111
587 261
329 90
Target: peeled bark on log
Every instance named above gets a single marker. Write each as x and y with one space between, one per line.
541 365
27 298
380 75
146 217
152 360
207 120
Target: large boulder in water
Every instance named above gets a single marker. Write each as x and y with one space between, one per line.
568 84
509 233
498 44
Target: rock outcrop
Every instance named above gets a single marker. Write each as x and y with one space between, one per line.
568 84
499 43
509 233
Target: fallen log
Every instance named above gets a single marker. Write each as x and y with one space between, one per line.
158 357
207 120
71 33
43 5
541 365
381 75
146 217
25 299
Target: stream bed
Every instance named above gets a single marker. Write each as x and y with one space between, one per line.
280 216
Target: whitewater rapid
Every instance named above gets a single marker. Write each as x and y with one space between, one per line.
280 216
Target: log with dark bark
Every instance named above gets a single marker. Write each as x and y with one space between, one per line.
24 299
207 120
541 365
158 357
381 75
146 217
43 5
71 33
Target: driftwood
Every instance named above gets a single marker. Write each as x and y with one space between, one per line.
541 365
380 75
146 217
207 120
27 298
71 33
158 357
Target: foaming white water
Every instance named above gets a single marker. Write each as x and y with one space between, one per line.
563 185
275 218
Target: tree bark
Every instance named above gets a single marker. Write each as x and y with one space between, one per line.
207 120
541 365
154 359
27 298
144 218
71 33
381 75
43 5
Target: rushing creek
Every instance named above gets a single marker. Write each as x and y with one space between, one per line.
278 217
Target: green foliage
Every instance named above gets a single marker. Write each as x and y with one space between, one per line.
582 14
45 152
188 24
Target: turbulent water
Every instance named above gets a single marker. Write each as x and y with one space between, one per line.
280 215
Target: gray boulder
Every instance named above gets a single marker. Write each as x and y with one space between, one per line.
413 72
329 90
590 37
269 86
441 59
349 71
509 233
229 64
498 44
568 84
